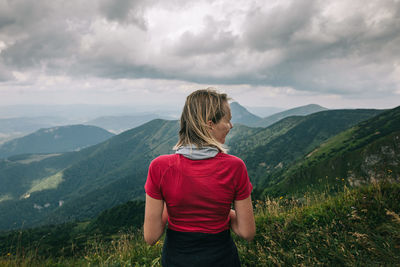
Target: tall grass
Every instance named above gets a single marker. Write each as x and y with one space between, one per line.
357 227
124 249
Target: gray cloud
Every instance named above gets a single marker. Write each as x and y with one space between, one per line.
124 11
5 75
49 35
212 39
45 47
5 20
320 54
312 45
265 30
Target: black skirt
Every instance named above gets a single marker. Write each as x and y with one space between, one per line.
199 249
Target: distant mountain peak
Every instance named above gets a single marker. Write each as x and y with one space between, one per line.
55 139
241 115
235 103
297 111
310 106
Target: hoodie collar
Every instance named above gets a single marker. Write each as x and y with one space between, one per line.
195 153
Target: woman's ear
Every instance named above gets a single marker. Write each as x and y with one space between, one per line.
210 124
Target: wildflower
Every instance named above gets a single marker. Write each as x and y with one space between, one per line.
280 197
8 254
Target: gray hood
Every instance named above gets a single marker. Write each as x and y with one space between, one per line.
195 153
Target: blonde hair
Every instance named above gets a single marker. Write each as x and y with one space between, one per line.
201 107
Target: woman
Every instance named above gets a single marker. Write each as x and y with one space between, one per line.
195 187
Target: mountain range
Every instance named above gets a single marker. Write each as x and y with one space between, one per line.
241 115
11 128
270 149
326 190
299 111
55 140
79 185
115 122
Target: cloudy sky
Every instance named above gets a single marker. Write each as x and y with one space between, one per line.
262 53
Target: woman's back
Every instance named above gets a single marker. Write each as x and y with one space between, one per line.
198 193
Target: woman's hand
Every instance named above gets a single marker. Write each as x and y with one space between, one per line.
232 215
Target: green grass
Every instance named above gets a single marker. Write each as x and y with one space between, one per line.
356 227
124 249
359 227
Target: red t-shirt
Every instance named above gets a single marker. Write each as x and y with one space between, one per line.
198 193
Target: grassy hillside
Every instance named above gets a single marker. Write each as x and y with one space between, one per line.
242 139
365 153
65 240
271 150
357 227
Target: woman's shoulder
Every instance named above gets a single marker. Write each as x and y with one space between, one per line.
230 159
164 160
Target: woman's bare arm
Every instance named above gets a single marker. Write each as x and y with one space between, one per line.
155 218
242 219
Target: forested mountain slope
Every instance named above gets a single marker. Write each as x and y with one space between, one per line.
365 153
80 184
272 149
